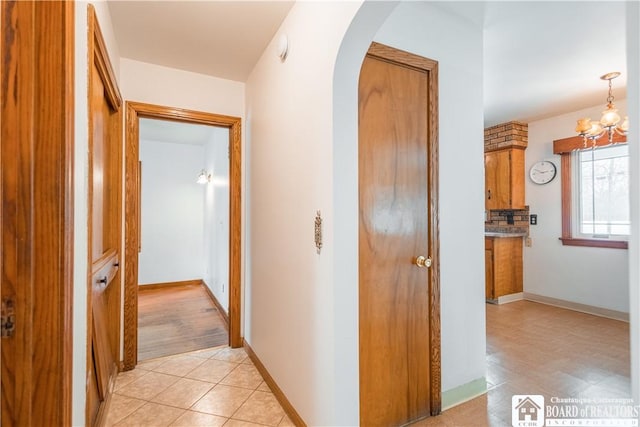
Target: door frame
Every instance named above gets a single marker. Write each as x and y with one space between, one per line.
37 187
98 57
135 111
430 67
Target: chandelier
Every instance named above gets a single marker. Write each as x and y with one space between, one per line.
609 122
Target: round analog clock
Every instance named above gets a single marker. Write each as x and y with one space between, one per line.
542 172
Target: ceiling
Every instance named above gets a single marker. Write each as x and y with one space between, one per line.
540 58
219 38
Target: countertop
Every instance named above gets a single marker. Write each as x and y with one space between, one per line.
503 234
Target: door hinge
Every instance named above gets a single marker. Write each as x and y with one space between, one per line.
8 318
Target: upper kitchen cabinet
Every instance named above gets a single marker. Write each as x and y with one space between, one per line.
504 147
504 179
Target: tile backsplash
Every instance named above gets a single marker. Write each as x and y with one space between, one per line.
499 221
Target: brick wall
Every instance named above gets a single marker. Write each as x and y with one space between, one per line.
497 221
506 135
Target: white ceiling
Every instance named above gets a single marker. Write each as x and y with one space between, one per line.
220 38
540 58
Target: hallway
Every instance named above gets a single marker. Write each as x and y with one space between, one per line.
212 387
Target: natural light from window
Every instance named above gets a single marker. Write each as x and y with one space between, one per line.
604 207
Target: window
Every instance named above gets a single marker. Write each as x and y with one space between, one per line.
601 186
595 192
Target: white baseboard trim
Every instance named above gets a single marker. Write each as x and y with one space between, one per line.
583 308
507 298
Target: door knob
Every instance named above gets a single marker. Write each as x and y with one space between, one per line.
423 262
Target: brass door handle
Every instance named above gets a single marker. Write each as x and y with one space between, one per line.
423 262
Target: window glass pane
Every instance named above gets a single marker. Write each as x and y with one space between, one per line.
604 191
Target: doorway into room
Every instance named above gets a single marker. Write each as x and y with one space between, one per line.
175 247
183 261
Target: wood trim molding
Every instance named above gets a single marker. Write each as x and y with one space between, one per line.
100 56
219 306
430 67
567 201
165 285
573 143
36 183
277 391
134 111
595 243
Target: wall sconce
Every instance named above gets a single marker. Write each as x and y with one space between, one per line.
204 177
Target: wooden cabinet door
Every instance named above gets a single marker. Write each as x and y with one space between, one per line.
497 167
488 268
504 179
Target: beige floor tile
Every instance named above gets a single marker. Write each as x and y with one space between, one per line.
261 408
246 376
264 387
184 393
149 365
206 353
222 400
121 407
179 366
228 354
212 370
127 377
238 423
151 414
148 386
198 419
286 422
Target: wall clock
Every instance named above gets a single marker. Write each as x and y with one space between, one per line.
542 172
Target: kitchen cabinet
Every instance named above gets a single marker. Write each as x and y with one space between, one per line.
504 178
503 266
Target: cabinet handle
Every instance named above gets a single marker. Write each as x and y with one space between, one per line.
489 194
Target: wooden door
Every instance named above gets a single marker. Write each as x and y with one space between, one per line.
36 183
105 229
395 293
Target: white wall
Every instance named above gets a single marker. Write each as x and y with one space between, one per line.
155 84
172 215
295 293
594 276
216 216
633 96
288 299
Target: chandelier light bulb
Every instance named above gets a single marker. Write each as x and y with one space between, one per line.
610 117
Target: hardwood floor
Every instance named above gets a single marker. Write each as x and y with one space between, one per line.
539 349
177 320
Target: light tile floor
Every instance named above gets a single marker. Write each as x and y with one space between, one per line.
213 387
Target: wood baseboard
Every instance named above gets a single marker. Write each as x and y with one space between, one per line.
583 308
223 313
152 286
277 392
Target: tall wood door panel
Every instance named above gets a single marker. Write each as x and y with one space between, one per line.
393 232
36 184
105 228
